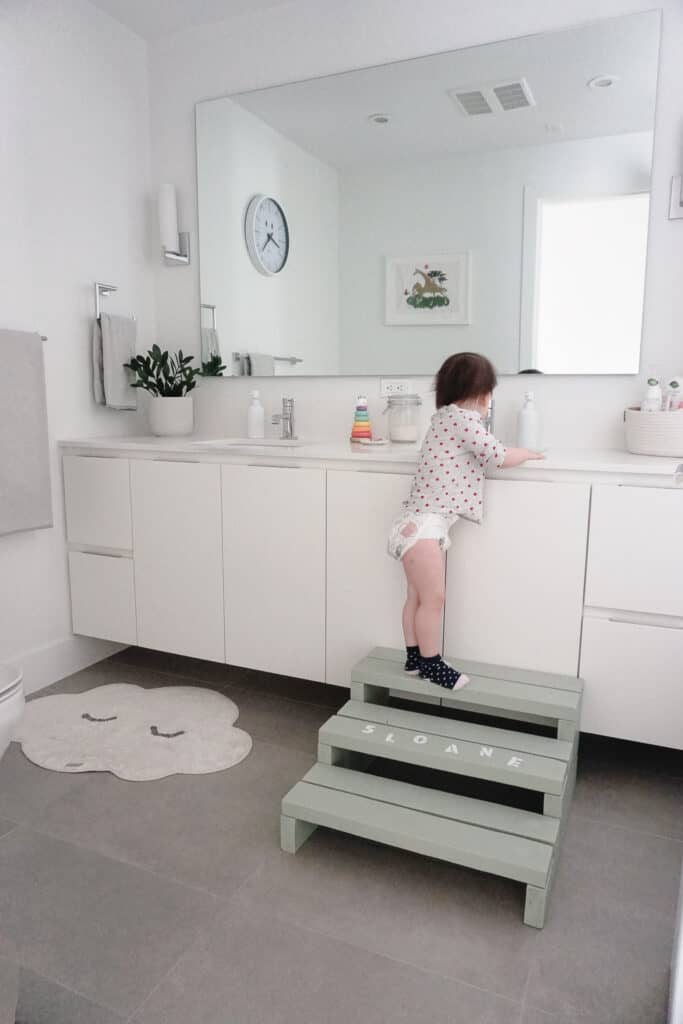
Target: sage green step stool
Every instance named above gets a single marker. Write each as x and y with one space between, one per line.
507 841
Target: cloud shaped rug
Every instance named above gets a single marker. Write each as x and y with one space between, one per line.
134 733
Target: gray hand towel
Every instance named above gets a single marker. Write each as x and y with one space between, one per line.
25 487
97 368
118 347
261 365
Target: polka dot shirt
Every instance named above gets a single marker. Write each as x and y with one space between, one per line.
455 454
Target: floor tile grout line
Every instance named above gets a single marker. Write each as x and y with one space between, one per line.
128 863
20 963
525 990
625 828
195 940
386 956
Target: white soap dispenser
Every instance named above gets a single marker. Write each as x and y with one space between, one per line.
256 417
528 424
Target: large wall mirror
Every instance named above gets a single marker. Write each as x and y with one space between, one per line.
494 199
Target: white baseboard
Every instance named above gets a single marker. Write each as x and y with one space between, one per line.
47 665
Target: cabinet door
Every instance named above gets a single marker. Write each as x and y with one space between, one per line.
365 587
102 597
178 558
97 500
633 681
634 553
514 584
274 561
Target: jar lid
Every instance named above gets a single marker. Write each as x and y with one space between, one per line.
404 400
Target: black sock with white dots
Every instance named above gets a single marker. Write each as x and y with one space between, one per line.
440 672
412 664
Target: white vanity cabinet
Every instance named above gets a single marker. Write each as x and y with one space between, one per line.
100 537
632 649
274 566
178 557
365 587
514 583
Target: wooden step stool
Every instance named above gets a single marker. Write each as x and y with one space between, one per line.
340 792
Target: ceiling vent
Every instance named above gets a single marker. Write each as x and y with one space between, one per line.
493 97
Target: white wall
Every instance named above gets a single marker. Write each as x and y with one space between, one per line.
294 313
473 201
305 39
74 155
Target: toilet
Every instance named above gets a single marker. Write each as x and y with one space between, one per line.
11 703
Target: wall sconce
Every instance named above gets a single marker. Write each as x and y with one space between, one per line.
175 245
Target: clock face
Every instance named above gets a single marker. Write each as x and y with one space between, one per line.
267 235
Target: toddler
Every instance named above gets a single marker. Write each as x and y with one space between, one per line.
448 485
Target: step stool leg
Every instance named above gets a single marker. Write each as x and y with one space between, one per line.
369 694
552 804
294 833
566 730
344 758
535 906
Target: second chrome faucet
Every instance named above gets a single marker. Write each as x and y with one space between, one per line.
286 420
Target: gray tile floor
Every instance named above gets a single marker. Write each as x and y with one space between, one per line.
170 902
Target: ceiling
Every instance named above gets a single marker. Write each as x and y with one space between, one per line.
154 18
328 117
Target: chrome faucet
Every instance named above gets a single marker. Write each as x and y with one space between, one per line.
487 420
286 420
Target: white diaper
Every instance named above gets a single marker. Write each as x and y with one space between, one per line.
410 527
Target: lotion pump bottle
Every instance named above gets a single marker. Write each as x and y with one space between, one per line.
528 424
652 402
256 418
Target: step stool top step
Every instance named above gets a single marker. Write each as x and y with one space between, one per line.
511 856
486 735
431 746
484 693
453 806
551 680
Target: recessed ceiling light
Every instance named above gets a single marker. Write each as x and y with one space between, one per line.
603 81
379 118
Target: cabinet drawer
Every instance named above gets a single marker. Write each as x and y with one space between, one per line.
102 597
97 499
633 681
634 551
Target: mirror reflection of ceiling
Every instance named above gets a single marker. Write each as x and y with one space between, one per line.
454 158
328 117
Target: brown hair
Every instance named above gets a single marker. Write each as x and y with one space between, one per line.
464 376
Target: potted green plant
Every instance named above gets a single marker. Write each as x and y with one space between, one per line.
169 379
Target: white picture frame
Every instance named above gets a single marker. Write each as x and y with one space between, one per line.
432 289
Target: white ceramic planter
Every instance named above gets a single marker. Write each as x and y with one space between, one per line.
171 417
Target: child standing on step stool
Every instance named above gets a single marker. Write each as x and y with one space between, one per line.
448 485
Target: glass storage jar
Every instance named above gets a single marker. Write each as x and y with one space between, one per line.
404 418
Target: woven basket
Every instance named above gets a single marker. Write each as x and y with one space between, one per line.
654 433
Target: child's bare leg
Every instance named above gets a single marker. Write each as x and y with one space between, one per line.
424 566
409 611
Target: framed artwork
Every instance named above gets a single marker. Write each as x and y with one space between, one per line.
428 289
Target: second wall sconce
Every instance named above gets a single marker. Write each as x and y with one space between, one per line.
175 245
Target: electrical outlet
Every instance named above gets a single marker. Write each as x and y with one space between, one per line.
394 386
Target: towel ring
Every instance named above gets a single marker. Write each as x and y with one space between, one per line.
101 292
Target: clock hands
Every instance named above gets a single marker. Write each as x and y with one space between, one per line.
269 239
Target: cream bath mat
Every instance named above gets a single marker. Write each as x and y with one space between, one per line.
136 734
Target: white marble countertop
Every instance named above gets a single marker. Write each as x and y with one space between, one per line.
560 463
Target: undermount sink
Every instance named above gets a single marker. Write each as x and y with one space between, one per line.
250 442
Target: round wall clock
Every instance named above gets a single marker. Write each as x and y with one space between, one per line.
266 234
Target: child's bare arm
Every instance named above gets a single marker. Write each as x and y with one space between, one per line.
516 456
